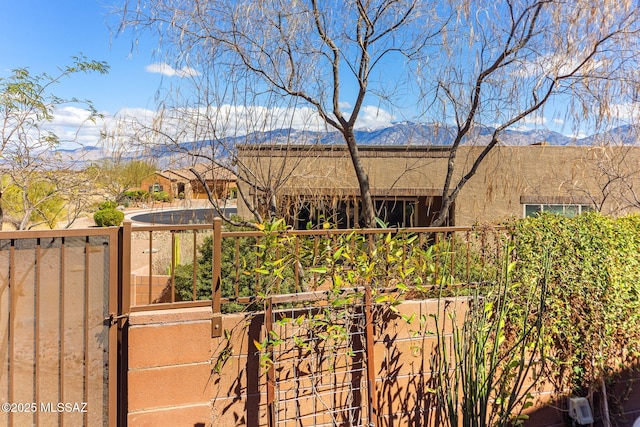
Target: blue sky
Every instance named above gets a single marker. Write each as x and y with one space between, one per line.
45 34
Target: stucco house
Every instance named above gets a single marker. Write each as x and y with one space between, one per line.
184 184
318 182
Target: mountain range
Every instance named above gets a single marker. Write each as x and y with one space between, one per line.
404 133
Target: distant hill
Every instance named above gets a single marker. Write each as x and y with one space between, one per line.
403 133
408 133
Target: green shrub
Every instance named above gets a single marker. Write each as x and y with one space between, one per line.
593 317
136 195
108 217
161 196
246 282
107 205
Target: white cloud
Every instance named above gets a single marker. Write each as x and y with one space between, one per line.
626 111
238 120
533 120
167 70
73 126
372 117
529 122
558 64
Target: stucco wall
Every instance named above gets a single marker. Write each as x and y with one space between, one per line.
180 376
541 173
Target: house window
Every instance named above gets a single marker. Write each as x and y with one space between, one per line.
155 188
347 213
568 210
396 212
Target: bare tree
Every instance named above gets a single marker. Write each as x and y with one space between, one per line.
474 63
615 170
528 56
204 136
37 184
116 175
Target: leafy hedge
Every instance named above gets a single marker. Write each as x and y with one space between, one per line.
593 304
161 196
135 196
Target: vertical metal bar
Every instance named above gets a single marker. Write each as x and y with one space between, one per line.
173 266
425 271
36 330
271 372
194 263
62 349
216 265
453 248
436 259
258 281
278 279
85 357
12 313
124 275
296 268
117 248
371 372
150 267
216 285
316 243
236 282
468 237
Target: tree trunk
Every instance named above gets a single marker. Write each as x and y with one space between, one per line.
363 180
443 215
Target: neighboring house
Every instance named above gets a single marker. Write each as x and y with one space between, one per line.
184 184
318 182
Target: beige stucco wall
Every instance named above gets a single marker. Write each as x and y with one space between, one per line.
507 176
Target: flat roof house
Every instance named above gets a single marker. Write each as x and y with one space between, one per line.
315 183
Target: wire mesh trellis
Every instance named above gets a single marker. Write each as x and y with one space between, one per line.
319 365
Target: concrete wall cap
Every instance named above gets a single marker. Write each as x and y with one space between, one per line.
170 316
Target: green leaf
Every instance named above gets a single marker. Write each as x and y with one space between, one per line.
402 287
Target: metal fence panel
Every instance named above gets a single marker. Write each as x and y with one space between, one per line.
55 347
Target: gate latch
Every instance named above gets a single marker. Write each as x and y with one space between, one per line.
112 319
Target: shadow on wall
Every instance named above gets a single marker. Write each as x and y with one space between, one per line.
623 390
246 385
403 394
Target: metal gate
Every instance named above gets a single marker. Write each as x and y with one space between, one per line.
58 351
321 367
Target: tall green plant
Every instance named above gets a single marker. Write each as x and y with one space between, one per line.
488 366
